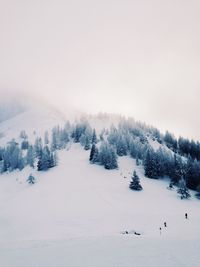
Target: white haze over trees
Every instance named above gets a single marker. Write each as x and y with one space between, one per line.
138 58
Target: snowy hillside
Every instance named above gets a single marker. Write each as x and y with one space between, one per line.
35 120
10 108
79 214
76 213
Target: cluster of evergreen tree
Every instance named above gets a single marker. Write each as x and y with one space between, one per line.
161 163
105 156
183 190
189 148
82 133
158 163
131 138
17 155
128 138
11 157
183 146
47 159
60 137
128 141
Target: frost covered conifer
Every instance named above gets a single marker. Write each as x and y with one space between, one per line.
12 157
107 156
94 137
150 164
46 138
92 151
87 143
30 157
198 192
45 161
183 190
94 154
38 147
135 183
24 145
121 146
31 179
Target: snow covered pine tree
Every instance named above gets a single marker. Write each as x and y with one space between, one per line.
135 183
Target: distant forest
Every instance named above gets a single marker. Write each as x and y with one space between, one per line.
176 159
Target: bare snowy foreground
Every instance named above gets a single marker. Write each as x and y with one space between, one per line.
75 215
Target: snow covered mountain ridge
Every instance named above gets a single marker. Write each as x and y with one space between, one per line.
65 186
40 129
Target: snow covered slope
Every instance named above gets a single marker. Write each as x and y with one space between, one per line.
76 213
35 120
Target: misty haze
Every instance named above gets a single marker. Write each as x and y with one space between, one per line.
99 133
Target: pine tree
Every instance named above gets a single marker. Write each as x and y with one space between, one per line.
31 179
183 190
38 147
135 183
198 192
23 135
107 156
87 143
92 152
12 156
46 138
53 159
30 157
150 164
192 173
121 146
45 161
95 158
24 145
178 169
65 136
94 137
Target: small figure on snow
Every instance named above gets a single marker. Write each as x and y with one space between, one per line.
160 230
136 233
186 216
31 179
165 224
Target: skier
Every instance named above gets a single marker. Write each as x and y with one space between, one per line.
165 224
160 230
186 215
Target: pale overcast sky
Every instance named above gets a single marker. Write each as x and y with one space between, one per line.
139 58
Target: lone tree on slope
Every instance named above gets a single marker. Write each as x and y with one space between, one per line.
31 179
135 183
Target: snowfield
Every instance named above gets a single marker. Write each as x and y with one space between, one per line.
76 214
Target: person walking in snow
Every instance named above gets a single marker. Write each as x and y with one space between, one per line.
160 230
165 224
186 216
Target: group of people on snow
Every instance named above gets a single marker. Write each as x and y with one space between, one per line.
165 224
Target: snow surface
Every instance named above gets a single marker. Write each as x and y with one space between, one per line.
76 214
